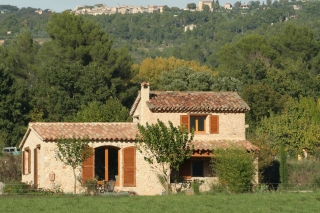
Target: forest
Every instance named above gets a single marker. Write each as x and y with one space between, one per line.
59 67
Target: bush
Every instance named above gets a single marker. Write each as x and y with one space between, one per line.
16 188
90 186
234 168
10 168
195 185
304 172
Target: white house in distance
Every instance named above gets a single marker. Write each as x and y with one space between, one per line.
218 119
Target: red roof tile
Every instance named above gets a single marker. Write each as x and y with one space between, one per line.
95 131
214 144
196 102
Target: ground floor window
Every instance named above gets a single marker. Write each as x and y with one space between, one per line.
195 167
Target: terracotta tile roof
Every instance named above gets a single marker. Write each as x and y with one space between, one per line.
195 102
95 131
135 104
209 145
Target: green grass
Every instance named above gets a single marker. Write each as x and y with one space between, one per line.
267 202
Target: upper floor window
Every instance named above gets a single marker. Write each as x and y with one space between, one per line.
198 123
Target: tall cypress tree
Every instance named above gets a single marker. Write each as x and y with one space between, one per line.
14 108
283 167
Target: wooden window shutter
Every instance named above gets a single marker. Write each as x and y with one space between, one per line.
185 169
35 168
214 124
29 161
129 164
24 162
184 120
88 167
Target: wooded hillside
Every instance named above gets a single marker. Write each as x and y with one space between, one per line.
63 67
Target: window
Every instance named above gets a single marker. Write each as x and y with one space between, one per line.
197 168
198 123
194 167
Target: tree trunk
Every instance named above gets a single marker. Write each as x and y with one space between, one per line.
75 182
168 181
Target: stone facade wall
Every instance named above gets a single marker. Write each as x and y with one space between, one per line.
146 179
31 143
231 125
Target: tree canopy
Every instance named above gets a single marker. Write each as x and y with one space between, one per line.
79 65
165 145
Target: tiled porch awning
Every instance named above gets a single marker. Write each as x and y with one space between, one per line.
205 147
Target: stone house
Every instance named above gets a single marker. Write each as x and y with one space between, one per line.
228 6
202 3
244 6
218 119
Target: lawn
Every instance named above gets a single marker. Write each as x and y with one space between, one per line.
267 202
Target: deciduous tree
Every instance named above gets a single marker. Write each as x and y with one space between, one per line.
167 146
150 69
192 6
73 152
111 111
297 127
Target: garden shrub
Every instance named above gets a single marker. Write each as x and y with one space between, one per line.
304 173
195 185
90 186
10 168
16 188
234 169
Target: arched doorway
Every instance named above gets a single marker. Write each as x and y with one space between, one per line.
106 163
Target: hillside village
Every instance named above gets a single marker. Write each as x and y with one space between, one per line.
100 9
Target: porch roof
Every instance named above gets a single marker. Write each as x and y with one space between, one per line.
95 131
209 145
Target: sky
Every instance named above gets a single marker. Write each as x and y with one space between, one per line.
61 5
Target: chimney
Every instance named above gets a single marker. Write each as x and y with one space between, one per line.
145 95
145 91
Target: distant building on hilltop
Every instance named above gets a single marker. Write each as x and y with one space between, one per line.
99 9
202 3
228 6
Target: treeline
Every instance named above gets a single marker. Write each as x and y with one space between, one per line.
163 34
13 20
89 68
